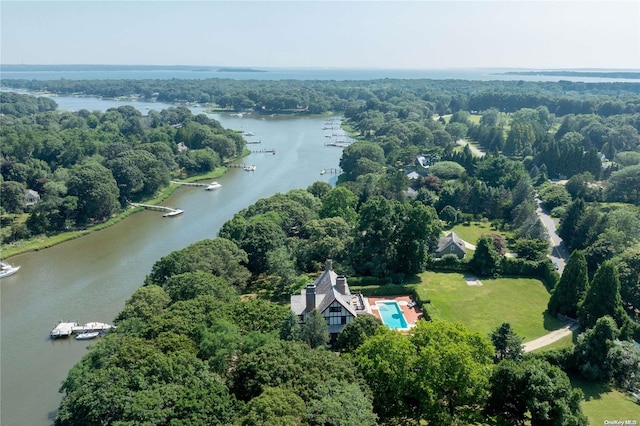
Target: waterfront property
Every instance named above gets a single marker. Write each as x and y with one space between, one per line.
330 295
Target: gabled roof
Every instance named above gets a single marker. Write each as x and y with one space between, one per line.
451 238
326 293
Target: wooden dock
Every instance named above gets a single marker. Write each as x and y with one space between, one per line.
188 183
154 207
65 329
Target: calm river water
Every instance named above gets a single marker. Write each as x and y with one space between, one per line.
90 278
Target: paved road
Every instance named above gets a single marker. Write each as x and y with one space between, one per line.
559 253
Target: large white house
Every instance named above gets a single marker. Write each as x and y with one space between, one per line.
329 294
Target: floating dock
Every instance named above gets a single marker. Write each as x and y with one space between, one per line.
65 329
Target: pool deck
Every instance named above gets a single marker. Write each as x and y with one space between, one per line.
411 314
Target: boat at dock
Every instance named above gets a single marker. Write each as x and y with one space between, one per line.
249 168
87 335
65 329
174 212
7 269
213 185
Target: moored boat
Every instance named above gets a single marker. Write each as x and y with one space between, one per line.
7 269
248 168
174 212
87 335
213 185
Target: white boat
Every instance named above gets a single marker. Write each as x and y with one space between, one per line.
87 335
250 168
213 185
174 212
7 270
248 134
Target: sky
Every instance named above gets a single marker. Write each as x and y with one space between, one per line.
331 34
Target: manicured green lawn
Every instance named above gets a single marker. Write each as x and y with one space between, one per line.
474 231
605 403
519 301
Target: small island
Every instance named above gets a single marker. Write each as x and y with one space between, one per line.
239 70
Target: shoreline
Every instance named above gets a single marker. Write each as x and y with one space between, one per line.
7 250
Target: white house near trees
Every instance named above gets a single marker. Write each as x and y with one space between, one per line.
330 295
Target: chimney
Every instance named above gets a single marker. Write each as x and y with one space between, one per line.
328 265
311 297
341 284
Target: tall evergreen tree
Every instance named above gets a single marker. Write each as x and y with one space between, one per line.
603 298
571 220
571 288
290 329
315 331
486 259
507 343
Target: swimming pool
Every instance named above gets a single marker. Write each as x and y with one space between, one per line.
391 314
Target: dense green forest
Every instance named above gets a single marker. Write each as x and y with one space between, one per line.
208 339
86 166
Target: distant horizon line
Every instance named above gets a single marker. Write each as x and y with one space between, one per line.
256 67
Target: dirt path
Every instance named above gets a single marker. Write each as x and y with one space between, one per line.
548 339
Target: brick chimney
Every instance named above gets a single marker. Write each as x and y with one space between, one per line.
328 265
341 284
311 297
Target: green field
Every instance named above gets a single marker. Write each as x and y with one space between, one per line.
519 301
605 403
474 231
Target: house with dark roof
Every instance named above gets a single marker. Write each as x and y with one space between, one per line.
330 295
451 244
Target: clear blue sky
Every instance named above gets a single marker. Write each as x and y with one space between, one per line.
361 34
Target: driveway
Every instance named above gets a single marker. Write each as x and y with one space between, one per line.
559 253
474 150
549 338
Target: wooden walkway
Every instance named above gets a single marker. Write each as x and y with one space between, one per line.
153 207
188 183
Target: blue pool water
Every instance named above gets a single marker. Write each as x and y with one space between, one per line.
391 314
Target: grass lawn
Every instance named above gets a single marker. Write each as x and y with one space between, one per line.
474 231
602 402
519 301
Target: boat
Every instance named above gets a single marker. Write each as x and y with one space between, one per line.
65 329
248 168
323 171
248 134
87 335
174 212
7 269
213 185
